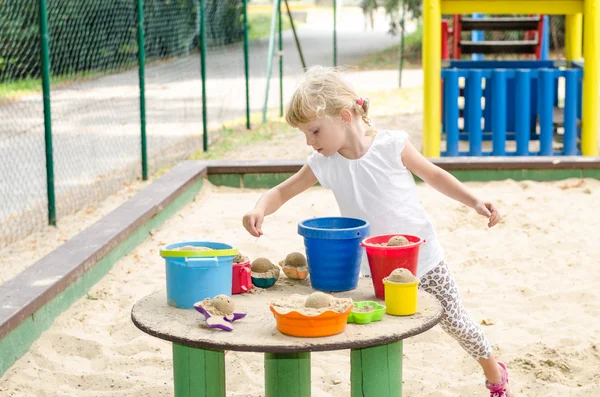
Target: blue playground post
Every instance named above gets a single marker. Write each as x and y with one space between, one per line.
522 112
545 39
473 103
498 112
546 81
519 96
451 113
477 35
570 119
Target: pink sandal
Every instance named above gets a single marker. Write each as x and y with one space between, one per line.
500 389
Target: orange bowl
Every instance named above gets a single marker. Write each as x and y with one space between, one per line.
295 273
325 324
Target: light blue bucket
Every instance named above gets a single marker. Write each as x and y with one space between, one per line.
194 275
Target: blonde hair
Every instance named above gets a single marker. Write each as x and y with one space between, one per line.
324 92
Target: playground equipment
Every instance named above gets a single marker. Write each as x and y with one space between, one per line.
535 42
499 116
518 96
542 79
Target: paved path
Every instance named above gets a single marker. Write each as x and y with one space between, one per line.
96 133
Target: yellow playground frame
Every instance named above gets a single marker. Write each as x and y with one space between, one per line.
574 10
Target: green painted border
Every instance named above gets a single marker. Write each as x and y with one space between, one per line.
517 175
18 342
230 180
267 180
263 181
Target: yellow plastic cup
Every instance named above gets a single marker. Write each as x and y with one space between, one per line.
401 299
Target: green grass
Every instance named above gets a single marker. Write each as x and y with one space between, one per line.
231 138
388 58
11 90
259 24
20 87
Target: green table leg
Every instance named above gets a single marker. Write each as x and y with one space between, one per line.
377 371
287 374
198 372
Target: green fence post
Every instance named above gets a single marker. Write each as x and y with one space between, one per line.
142 79
246 64
334 32
203 74
45 59
280 62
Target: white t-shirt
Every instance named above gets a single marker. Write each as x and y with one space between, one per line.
379 189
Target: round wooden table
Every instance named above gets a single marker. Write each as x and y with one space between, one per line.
199 358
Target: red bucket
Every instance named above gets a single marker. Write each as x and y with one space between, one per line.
383 260
241 281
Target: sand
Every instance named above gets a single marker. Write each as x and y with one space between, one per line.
311 306
533 277
400 276
19 255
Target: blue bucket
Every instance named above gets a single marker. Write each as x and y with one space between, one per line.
194 275
333 251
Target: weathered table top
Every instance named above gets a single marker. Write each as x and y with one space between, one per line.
257 332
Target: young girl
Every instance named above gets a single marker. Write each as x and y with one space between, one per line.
371 178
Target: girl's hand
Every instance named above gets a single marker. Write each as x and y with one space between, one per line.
488 210
253 221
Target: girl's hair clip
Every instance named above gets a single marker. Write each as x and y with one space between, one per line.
360 102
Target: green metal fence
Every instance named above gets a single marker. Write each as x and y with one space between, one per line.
82 111
95 94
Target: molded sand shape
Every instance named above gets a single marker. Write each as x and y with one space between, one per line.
264 273
295 266
241 258
193 248
401 276
315 315
219 312
401 293
366 312
397 241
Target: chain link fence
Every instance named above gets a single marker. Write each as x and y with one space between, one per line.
556 37
173 83
95 97
95 112
22 165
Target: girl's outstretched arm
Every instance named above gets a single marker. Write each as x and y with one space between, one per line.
272 200
446 184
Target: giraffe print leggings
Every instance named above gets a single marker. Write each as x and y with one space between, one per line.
455 321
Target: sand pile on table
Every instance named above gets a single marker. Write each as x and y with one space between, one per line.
220 305
264 268
397 241
193 248
295 259
401 276
239 258
313 304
